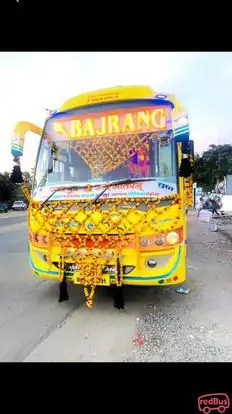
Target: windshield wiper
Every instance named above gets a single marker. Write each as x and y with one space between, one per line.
123 181
75 187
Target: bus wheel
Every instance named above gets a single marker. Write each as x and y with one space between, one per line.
206 410
221 409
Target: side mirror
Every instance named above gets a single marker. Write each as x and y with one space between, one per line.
185 169
16 175
17 144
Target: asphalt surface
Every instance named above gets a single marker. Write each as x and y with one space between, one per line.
12 217
157 324
28 307
30 313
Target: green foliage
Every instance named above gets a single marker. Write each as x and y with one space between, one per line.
7 188
212 166
28 180
10 191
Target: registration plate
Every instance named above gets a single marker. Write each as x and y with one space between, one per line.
104 281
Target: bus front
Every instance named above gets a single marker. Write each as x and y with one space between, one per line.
107 203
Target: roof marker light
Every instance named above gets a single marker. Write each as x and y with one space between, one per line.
160 96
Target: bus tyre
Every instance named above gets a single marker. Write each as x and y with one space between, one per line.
221 409
206 410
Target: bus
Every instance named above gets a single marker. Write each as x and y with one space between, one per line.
107 207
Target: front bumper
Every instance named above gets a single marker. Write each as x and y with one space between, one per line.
170 267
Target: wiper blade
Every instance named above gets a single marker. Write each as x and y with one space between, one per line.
123 181
75 187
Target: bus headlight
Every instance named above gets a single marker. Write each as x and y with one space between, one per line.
163 240
159 240
144 241
172 238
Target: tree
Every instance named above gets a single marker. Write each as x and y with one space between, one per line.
28 180
7 188
10 191
212 166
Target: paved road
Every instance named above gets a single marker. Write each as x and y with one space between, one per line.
12 217
28 307
174 327
29 311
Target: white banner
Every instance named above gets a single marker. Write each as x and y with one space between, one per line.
145 189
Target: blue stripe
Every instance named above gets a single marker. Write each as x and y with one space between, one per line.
13 144
181 131
16 153
36 269
181 127
16 149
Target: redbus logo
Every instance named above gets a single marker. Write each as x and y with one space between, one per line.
209 402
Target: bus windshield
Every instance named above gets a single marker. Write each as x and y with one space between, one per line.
100 160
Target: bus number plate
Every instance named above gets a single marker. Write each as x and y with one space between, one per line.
105 280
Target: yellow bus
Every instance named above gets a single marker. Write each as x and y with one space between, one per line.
107 205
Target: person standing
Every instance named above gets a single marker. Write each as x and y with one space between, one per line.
199 206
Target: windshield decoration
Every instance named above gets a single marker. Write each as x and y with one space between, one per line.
148 158
108 154
138 145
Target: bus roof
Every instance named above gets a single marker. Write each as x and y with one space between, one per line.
119 93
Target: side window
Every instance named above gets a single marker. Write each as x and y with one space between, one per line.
42 164
165 159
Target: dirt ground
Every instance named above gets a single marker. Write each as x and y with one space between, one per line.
197 326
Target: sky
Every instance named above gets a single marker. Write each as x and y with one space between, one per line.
30 82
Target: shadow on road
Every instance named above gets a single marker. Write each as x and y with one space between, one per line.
136 297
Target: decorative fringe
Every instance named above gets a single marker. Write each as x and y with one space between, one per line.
63 291
118 294
119 301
